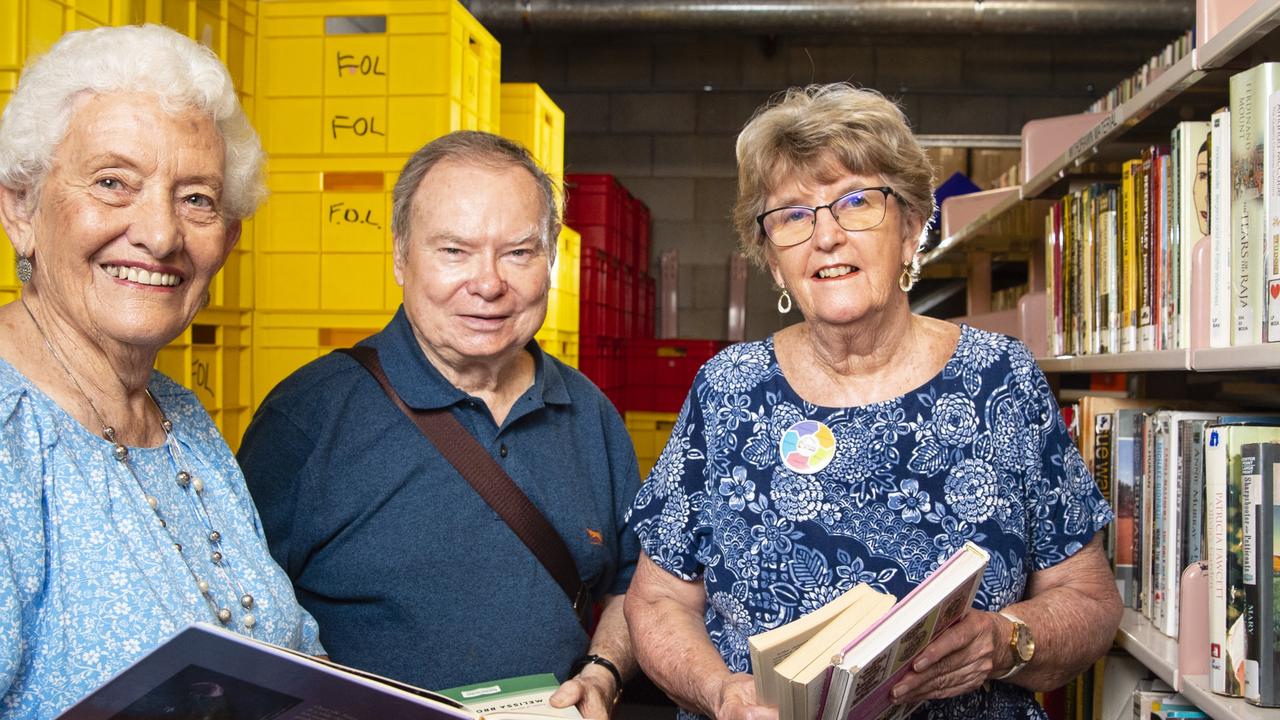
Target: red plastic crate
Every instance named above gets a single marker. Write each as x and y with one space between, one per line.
650 294
605 238
627 237
643 234
594 199
660 372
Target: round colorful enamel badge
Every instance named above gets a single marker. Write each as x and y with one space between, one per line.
807 447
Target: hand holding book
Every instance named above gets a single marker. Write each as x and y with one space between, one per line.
959 660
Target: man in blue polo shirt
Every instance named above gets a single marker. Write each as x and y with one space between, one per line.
409 572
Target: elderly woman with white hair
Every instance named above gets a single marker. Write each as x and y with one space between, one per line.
126 166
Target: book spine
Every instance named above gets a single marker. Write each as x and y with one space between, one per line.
1192 450
1237 636
1248 92
1271 245
1171 569
1122 474
1146 253
1220 317
1250 505
1215 470
1268 562
1158 470
1102 469
1052 303
1111 223
1170 250
1146 491
1128 256
1087 284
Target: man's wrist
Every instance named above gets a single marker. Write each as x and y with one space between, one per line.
600 667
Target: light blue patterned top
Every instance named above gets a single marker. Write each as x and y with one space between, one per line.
89 580
978 453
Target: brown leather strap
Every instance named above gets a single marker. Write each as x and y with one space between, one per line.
491 483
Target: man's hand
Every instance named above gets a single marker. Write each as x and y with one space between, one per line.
592 690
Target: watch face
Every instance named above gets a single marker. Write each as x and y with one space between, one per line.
1025 645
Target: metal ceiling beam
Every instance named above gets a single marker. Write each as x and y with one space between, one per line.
870 16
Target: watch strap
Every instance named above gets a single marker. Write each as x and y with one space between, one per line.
1018 662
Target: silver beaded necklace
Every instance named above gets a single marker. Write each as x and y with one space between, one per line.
193 489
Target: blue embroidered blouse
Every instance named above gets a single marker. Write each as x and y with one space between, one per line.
89 580
979 452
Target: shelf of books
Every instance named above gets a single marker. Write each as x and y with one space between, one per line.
1119 362
1159 653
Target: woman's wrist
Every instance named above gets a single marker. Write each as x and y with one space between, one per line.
598 667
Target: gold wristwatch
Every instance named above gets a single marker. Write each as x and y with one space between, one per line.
1022 646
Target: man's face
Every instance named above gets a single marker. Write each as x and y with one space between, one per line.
474 268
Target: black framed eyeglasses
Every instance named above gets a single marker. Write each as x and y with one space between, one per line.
861 209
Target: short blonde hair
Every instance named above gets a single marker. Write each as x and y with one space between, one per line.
149 58
819 132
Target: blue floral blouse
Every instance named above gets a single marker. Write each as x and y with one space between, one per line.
979 453
89 580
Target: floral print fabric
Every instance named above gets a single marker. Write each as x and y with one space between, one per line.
978 453
89 580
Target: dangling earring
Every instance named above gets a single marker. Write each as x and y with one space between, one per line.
910 274
784 302
25 269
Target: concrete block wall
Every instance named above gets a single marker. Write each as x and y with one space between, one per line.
662 112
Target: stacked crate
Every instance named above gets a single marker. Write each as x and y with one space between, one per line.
617 292
347 91
212 357
529 117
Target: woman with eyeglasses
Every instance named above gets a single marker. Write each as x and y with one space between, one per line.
864 444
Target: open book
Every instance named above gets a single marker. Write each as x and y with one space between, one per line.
210 673
841 660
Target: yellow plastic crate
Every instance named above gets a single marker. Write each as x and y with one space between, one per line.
532 119
228 27
562 301
212 357
8 295
368 77
323 239
284 342
30 27
559 344
649 433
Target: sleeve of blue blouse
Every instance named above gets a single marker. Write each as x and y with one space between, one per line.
21 529
1064 506
666 510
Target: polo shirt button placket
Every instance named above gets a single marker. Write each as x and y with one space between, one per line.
502 449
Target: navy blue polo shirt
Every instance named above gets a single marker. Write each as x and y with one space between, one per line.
409 573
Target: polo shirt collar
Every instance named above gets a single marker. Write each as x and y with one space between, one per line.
423 387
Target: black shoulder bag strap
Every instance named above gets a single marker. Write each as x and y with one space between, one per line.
491 483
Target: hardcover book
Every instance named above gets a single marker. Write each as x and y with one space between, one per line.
205 671
1260 470
1249 91
862 676
1220 317
527 696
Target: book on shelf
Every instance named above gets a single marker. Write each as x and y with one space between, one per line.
1126 505
789 663
1249 91
1190 151
1271 236
527 696
1260 471
865 670
1220 316
205 671
1130 174
1224 536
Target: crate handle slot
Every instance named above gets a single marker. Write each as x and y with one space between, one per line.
204 334
354 182
343 337
355 25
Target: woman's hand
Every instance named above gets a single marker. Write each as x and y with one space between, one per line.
738 700
959 660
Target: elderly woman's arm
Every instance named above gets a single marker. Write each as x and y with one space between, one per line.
1073 611
665 615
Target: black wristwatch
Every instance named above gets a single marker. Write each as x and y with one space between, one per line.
604 662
